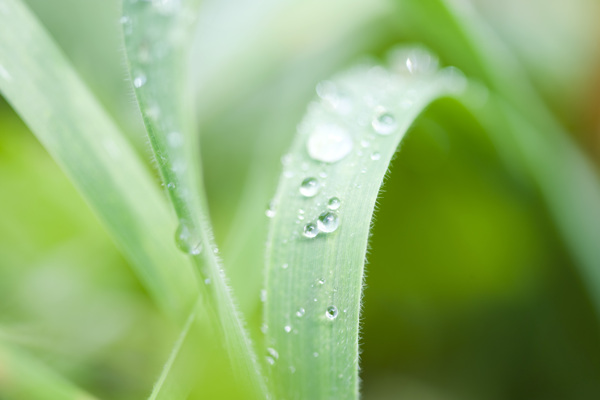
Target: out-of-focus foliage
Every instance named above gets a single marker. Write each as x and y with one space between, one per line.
470 290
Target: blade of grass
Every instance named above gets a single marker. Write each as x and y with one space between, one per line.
313 285
22 377
158 47
40 84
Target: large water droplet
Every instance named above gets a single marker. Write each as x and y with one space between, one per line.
384 123
329 143
327 222
310 230
187 241
309 187
334 203
331 313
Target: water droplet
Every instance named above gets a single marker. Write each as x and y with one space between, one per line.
334 203
287 328
175 139
139 80
327 222
300 312
264 328
375 156
323 174
273 353
384 123
365 143
310 230
216 250
331 313
320 281
292 369
270 360
187 241
285 266
315 354
270 212
207 281
329 143
335 98
171 185
263 295
413 61
309 187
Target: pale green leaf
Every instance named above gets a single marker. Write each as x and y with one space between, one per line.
313 288
41 85
157 39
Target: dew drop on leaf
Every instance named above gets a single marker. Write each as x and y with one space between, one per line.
139 80
328 222
300 312
273 353
270 212
331 313
309 187
310 230
287 328
384 123
187 241
375 156
329 143
334 203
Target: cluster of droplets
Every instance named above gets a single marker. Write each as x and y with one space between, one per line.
328 221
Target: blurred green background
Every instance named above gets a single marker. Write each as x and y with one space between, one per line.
470 292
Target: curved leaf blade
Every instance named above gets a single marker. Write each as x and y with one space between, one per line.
313 285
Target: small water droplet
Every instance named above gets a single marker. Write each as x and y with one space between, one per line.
310 230
384 123
271 211
300 312
315 354
270 360
216 250
207 281
323 174
329 143
139 80
285 266
264 328
375 156
327 222
321 281
334 203
171 185
273 353
286 159
309 187
287 328
335 98
331 313
187 241
263 295
365 143
363 171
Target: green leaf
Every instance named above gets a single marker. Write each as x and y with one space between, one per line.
157 42
322 214
22 377
41 85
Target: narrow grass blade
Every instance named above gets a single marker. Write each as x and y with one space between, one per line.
22 377
157 39
41 85
322 214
